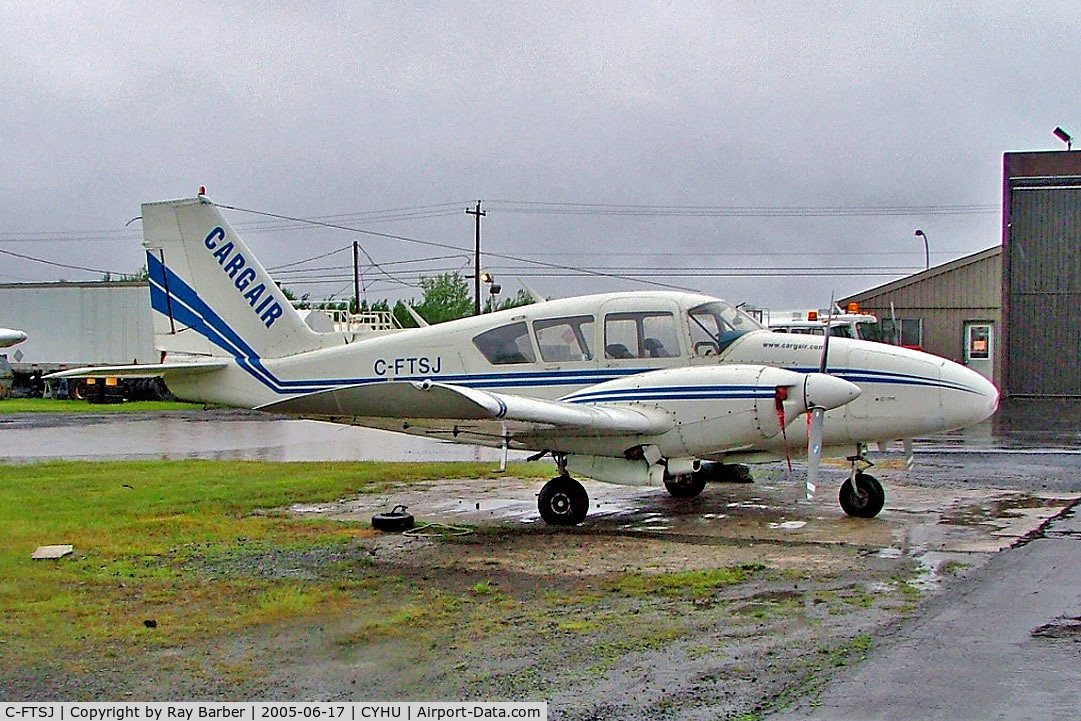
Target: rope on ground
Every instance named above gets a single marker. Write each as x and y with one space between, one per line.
426 530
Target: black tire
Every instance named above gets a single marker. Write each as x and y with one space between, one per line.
686 486
866 500
563 502
396 521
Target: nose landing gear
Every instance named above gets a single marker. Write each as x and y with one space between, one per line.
861 495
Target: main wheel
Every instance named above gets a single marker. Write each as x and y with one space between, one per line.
685 486
865 500
563 502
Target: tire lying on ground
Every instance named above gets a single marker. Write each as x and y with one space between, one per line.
394 521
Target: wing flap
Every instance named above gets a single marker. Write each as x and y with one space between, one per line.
443 401
148 370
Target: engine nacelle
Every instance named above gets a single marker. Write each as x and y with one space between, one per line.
716 409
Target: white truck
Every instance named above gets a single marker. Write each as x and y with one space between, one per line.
849 324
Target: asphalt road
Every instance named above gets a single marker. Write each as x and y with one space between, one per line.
1004 643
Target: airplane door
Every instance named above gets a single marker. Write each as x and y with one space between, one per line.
980 347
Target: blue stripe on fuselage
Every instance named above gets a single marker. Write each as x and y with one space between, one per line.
191 310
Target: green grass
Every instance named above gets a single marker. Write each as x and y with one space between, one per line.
693 584
145 531
52 405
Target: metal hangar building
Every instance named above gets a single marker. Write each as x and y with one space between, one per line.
1013 311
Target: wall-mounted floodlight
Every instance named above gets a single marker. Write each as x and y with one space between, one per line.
1064 137
926 249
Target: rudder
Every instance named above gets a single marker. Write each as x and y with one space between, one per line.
211 294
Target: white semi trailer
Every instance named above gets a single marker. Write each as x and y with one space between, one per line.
71 324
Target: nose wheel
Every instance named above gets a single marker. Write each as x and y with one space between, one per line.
563 501
862 496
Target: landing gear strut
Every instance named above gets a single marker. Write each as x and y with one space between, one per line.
563 501
685 486
861 495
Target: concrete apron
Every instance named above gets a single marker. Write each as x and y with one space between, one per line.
932 525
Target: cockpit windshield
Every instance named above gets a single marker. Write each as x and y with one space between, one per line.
716 324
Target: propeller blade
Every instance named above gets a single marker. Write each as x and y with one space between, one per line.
826 341
814 449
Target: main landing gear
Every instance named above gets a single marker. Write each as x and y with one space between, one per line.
861 495
563 501
686 486
691 484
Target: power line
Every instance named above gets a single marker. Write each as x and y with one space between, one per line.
113 235
434 244
308 260
636 274
735 211
59 265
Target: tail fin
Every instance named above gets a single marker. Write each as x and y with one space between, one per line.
210 294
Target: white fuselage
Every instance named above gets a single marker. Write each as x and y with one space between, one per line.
904 393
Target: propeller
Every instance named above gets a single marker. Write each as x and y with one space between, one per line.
816 417
813 394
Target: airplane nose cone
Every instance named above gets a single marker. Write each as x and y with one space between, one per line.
821 390
985 401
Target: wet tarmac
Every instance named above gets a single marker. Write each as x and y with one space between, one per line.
217 435
1033 429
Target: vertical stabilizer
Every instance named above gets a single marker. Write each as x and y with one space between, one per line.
210 294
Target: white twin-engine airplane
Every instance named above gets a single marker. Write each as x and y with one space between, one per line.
9 337
657 388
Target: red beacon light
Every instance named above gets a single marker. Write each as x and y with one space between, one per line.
812 315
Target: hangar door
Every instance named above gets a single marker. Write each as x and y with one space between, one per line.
1044 287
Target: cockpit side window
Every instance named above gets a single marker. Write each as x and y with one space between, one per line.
650 334
565 339
506 344
714 326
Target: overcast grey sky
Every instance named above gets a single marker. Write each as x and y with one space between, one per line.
323 108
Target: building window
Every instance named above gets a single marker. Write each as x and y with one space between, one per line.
908 331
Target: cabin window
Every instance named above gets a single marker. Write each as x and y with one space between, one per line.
565 339
640 335
506 344
716 324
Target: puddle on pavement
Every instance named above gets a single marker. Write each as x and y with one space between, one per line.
248 438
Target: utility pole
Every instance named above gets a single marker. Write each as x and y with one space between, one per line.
478 213
356 274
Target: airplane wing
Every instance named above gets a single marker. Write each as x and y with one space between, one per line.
141 370
446 402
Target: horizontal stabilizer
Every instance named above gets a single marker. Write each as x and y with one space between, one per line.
404 399
141 370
